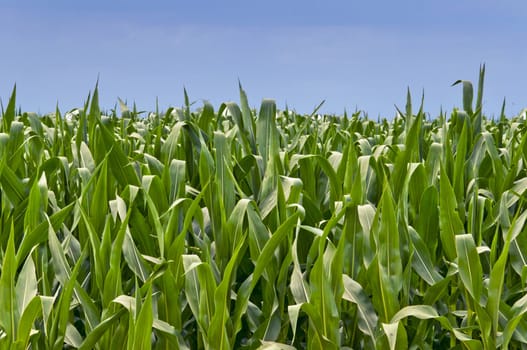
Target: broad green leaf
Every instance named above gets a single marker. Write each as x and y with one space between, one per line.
404 158
13 187
40 233
391 330
9 313
299 286
218 334
26 286
134 259
497 274
9 114
27 319
468 94
143 328
264 259
470 270
353 292
60 263
459 166
421 262
36 204
120 165
112 281
422 312
72 337
386 276
61 314
449 222
266 131
322 296
99 205
95 248
95 335
224 180
519 308
247 117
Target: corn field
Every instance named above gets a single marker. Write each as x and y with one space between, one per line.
242 229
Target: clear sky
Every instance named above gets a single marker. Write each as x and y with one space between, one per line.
353 54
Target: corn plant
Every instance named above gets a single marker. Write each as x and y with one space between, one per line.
238 228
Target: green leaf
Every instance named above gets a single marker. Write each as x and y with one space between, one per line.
322 297
95 335
247 117
61 315
497 274
405 157
27 319
9 314
421 262
99 205
143 324
40 233
266 131
368 319
134 259
427 222
422 312
9 114
298 285
26 285
470 270
264 259
449 222
218 334
518 311
459 165
120 166
468 94
389 269
391 330
13 187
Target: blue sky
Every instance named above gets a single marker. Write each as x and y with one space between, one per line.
355 55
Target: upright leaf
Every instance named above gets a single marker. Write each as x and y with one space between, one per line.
470 270
8 300
449 222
